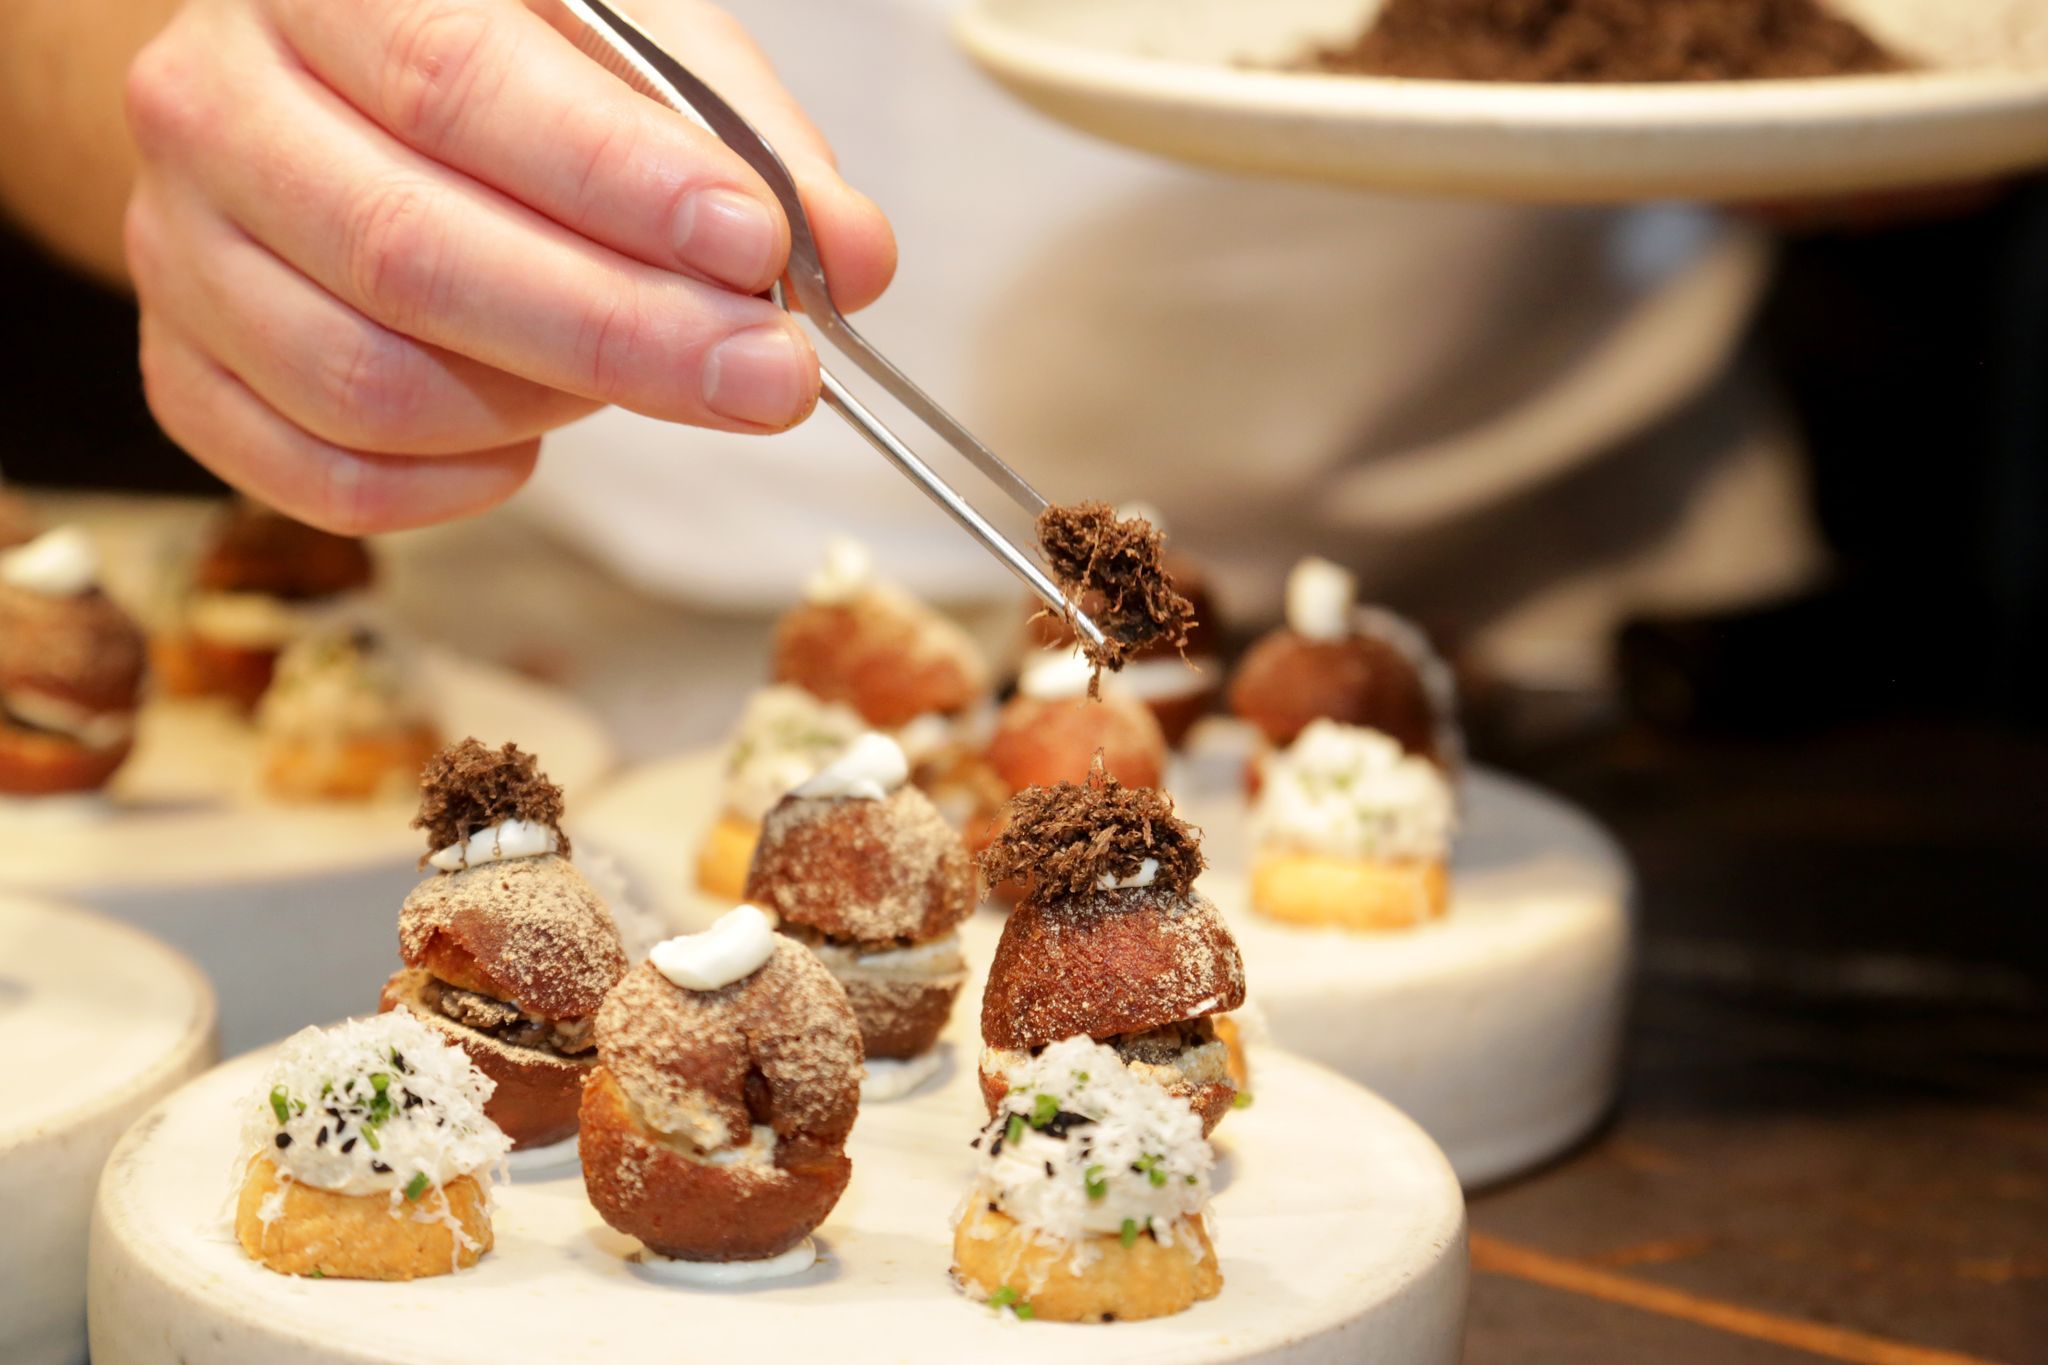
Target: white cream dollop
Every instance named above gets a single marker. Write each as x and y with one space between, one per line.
59 563
848 571
497 843
1320 596
720 1274
734 947
871 768
1057 675
1147 873
1353 792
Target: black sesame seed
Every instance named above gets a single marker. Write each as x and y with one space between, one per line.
976 1144
379 1167
348 1146
1109 1317
284 1140
1048 1170
992 1207
320 1138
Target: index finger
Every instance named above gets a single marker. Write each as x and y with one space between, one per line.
487 88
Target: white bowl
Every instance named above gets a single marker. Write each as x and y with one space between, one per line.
1192 79
106 1022
1341 1237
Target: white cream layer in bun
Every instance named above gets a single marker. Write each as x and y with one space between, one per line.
372 1106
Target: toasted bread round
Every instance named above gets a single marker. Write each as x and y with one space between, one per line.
359 1236
1349 893
1041 742
875 873
530 931
884 653
1287 680
538 1091
1115 962
347 768
1106 1282
648 1186
725 855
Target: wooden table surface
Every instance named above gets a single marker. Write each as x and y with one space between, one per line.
1833 1143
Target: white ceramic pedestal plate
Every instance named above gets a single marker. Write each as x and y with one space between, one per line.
105 1021
289 908
1195 79
1497 1028
1341 1234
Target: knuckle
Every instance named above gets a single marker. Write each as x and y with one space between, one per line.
395 251
372 387
432 65
612 334
159 99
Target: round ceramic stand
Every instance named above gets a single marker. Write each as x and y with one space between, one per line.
1200 80
1341 1237
1497 1028
106 1021
290 908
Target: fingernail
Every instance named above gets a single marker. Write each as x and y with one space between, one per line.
758 376
729 236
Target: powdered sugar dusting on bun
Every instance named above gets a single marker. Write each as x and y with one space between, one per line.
875 873
531 931
779 1048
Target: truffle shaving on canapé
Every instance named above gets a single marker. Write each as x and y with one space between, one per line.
468 787
1076 839
1121 560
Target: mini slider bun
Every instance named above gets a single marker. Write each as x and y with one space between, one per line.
715 1125
1110 941
511 952
862 865
71 670
876 648
261 553
345 718
1090 1196
365 1155
1335 660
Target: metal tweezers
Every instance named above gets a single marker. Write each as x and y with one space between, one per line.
618 45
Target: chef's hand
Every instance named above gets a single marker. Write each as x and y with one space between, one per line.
381 246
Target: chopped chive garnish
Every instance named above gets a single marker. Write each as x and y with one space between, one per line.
1025 1312
1003 1297
1156 1176
318 1273
416 1186
1243 1100
1092 1181
279 1104
1129 1235
370 1136
379 1082
1081 1076
1014 1131
1193 1181
1043 1110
